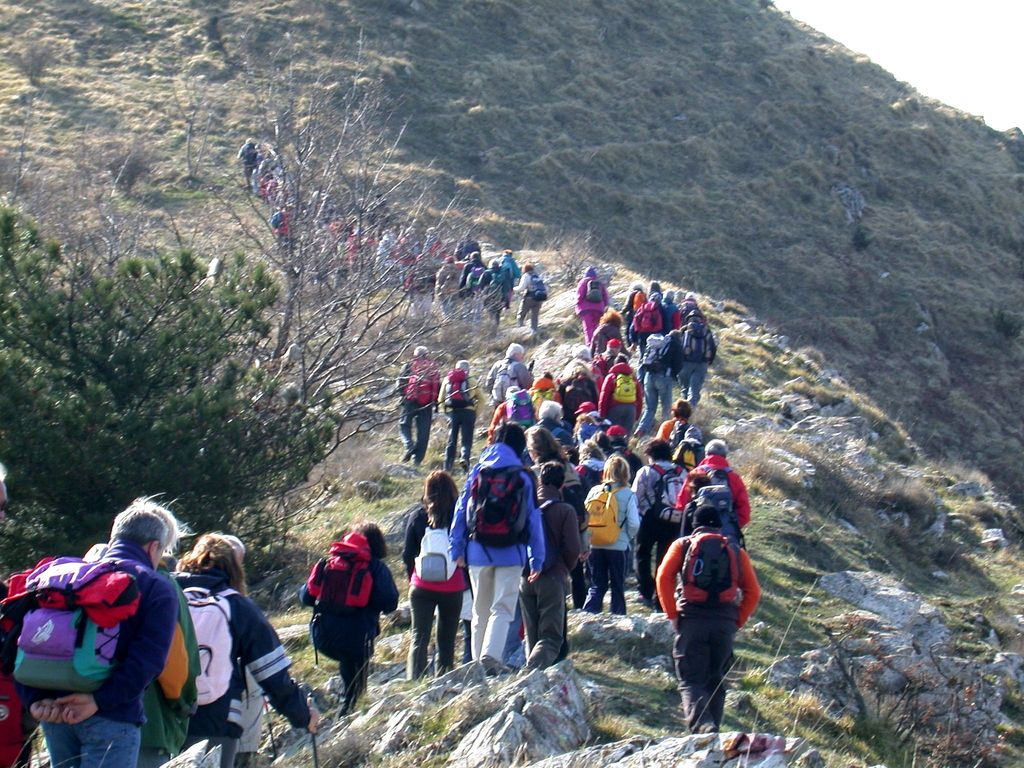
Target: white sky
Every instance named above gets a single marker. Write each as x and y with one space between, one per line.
966 54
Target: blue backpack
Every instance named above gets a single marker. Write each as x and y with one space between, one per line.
696 346
719 495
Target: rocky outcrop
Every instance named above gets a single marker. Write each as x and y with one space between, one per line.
698 751
196 756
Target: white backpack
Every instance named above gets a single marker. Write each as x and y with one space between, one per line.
211 616
433 562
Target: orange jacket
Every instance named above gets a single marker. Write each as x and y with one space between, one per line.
672 565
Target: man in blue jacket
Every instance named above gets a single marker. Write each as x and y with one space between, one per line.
495 568
89 730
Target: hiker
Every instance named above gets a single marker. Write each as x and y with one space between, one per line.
543 448
591 302
233 634
420 285
622 397
699 351
618 440
345 621
686 439
511 274
467 248
549 416
542 597
613 522
472 273
719 593
249 155
603 362
588 423
497 532
89 729
459 396
534 292
435 584
510 370
280 224
634 301
689 306
657 487
589 470
727 491
517 408
494 290
418 383
670 315
16 725
659 365
609 328
446 287
648 320
695 480
543 390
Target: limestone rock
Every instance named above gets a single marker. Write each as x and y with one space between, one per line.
994 538
697 751
608 628
968 488
196 756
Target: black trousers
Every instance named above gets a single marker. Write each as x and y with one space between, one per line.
654 537
354 669
460 425
702 656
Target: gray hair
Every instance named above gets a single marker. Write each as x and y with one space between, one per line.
420 351
717 448
463 365
549 409
144 521
514 350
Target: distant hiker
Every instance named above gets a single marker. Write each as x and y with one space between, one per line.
466 248
622 397
511 274
686 439
727 492
233 635
348 590
534 292
280 224
591 302
435 584
497 532
542 596
249 156
609 328
472 273
657 487
589 470
494 291
459 396
420 286
636 299
699 350
688 307
543 447
446 287
613 523
648 320
671 318
517 408
506 372
549 416
659 364
419 384
543 390
717 592
588 423
618 439
576 386
92 726
602 363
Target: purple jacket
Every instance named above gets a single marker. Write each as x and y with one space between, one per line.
582 305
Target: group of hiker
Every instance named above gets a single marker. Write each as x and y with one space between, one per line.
558 506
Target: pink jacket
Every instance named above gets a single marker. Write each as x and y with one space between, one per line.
582 305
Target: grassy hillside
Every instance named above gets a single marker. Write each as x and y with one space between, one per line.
704 142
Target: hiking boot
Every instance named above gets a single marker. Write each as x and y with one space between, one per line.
408 455
706 728
464 465
493 667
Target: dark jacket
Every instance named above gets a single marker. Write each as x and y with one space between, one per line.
254 644
561 532
559 431
415 527
476 262
142 645
605 332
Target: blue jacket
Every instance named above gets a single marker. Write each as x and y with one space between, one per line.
143 642
497 456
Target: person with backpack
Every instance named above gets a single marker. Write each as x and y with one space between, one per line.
542 597
349 590
233 635
459 396
534 291
613 521
446 287
435 584
671 317
658 366
494 289
648 320
576 386
622 397
249 156
549 416
699 351
591 302
517 408
472 273
718 592
497 532
91 707
590 471
602 363
726 491
467 248
636 299
686 439
510 273
419 384
618 442
695 480
509 371
609 328
544 390
657 487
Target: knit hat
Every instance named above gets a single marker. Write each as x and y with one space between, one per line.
420 351
614 343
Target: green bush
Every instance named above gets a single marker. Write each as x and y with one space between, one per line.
1006 323
132 379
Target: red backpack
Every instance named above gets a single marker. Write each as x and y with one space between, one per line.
420 387
497 514
458 389
710 570
648 318
342 582
12 738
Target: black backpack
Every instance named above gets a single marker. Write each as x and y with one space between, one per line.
497 513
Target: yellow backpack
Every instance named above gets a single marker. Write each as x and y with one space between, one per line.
603 517
625 388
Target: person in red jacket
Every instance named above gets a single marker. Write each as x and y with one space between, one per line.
622 397
716 463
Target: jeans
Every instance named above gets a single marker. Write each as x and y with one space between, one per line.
703 654
460 423
423 603
655 536
495 594
543 604
623 414
657 386
531 307
94 743
608 568
691 379
421 416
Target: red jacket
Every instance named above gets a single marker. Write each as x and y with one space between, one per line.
607 398
740 497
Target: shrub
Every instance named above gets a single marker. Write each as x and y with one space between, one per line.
127 164
33 60
1006 323
861 238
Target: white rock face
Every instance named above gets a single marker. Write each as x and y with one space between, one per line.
698 751
196 756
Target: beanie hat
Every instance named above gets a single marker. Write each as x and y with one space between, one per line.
707 515
583 353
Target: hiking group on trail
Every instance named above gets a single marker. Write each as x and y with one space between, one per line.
130 654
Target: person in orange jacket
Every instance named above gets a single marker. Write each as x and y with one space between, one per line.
622 397
719 593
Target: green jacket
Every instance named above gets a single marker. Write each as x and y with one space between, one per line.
170 700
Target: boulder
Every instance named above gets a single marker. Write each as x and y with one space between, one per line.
994 538
196 756
612 629
968 488
730 749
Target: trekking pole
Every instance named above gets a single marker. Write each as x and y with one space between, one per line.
316 758
270 729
